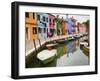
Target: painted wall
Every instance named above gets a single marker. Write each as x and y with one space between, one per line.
43 24
51 21
82 28
43 20
31 24
64 27
70 26
51 28
58 25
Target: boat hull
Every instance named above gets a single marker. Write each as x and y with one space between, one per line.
46 56
48 60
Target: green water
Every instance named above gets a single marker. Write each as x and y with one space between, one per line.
68 54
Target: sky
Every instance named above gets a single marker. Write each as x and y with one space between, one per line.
79 18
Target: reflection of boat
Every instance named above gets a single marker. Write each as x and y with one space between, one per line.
86 50
46 56
84 47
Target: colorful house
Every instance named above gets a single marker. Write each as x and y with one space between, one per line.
31 25
42 19
51 28
58 25
64 26
70 26
83 28
76 28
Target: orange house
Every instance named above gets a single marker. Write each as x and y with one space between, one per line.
31 26
64 27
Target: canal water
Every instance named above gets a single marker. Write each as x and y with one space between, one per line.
68 54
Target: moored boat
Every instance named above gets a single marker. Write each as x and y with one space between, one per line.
82 44
85 48
50 46
61 41
46 56
70 38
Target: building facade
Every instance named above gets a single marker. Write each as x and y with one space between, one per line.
43 24
58 25
31 25
70 26
51 28
64 26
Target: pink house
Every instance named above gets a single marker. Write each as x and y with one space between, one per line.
51 21
51 27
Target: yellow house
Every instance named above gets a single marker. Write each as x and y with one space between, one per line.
31 25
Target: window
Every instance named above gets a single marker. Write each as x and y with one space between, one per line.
27 14
47 19
53 21
38 17
45 25
34 30
43 18
39 30
44 30
33 15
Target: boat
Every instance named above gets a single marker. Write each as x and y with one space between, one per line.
61 41
70 38
82 44
50 46
46 56
85 48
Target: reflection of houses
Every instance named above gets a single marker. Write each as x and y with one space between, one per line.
71 47
61 50
31 25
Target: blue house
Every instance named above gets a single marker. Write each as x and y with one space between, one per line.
43 24
70 26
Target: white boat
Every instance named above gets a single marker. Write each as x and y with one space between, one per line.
46 56
82 44
70 38
50 45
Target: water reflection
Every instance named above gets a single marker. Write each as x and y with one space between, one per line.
74 56
68 54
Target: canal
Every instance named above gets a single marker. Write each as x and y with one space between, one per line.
68 54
